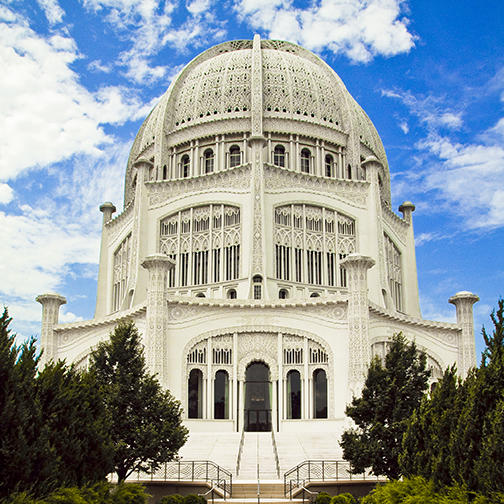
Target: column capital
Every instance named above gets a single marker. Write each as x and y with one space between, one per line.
51 298
358 260
464 297
158 261
107 209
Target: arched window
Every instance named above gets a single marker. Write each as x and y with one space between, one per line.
279 156
234 156
184 166
283 294
165 172
293 394
314 295
305 160
200 295
257 286
319 394
231 294
208 157
195 394
349 172
329 166
221 395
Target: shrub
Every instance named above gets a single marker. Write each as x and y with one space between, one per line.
128 493
172 499
323 498
344 498
194 499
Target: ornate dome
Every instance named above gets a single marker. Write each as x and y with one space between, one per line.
214 94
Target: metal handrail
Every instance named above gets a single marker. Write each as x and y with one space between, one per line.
240 449
320 470
275 452
258 472
193 470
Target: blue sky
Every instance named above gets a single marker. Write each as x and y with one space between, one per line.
78 77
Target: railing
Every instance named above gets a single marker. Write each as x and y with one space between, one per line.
297 478
275 452
240 449
193 470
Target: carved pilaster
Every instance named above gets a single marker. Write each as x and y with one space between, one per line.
257 88
102 294
359 354
158 266
463 302
50 313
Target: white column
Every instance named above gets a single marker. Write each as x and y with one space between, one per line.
234 398
210 380
280 381
359 352
306 382
463 302
50 314
156 344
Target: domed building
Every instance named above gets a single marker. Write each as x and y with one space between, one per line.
257 251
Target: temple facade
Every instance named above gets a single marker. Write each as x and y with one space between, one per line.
257 250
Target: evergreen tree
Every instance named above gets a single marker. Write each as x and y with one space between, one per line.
19 421
426 447
146 424
53 429
390 395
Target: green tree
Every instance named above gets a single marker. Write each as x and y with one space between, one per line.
53 429
19 440
390 395
146 422
426 444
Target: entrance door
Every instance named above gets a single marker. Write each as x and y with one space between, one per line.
257 398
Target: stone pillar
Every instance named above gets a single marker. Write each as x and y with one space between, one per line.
50 313
103 295
359 350
463 302
410 279
158 266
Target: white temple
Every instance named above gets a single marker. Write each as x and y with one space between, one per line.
257 251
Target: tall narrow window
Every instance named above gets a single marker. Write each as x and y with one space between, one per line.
283 254
231 294
293 394
221 395
279 156
184 166
329 166
305 160
394 271
349 172
257 286
195 394
234 156
319 394
208 158
121 264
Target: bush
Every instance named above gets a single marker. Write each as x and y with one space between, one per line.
101 493
172 499
194 499
323 498
344 498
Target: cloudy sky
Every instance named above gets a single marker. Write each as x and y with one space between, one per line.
78 77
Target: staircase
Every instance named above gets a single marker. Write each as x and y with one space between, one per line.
257 454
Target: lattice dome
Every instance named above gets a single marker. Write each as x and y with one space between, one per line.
216 87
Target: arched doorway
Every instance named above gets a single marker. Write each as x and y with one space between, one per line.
257 398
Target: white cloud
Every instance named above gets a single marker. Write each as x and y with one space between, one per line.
360 29
52 10
6 194
430 110
404 127
468 178
47 115
148 26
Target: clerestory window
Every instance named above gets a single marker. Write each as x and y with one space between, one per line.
279 156
208 160
234 156
305 160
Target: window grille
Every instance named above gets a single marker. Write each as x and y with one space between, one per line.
293 356
121 265
204 243
318 356
222 356
197 356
